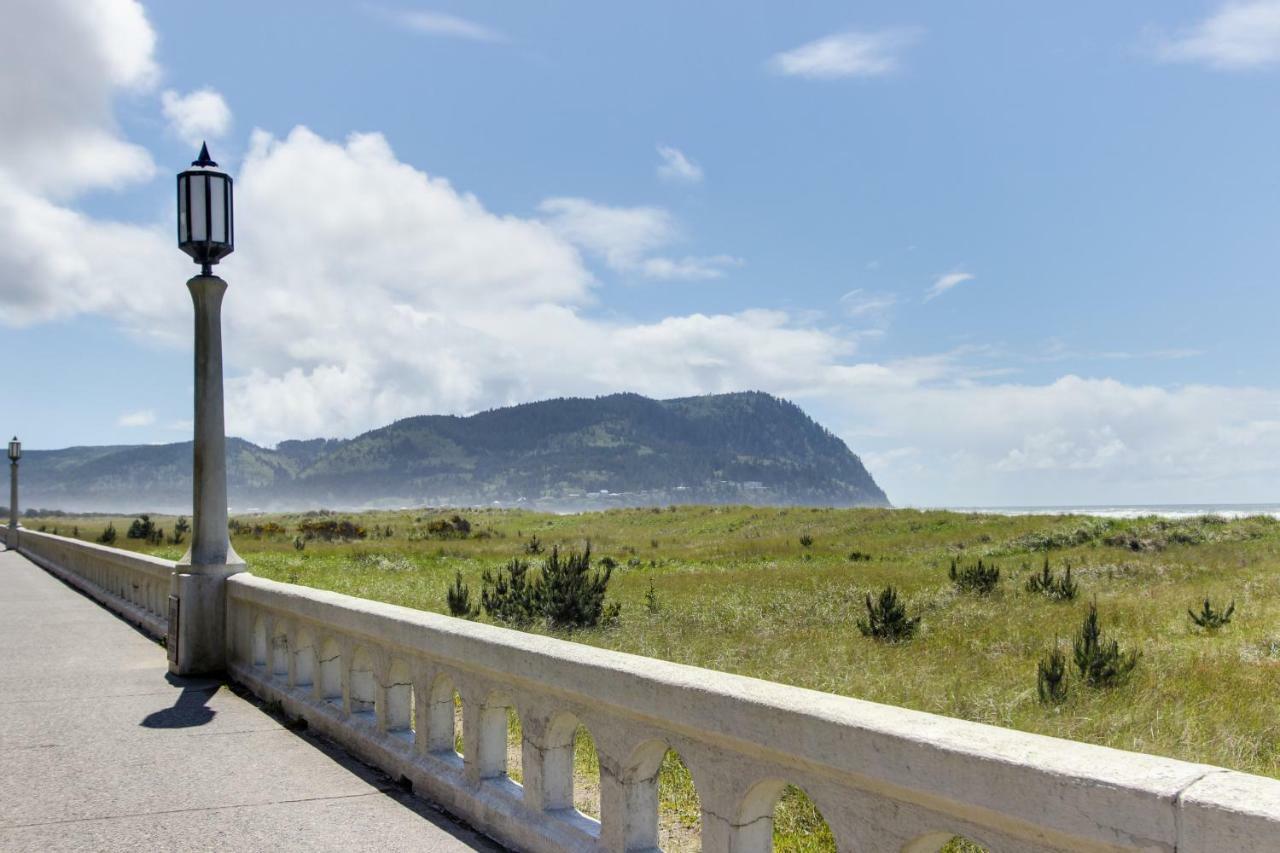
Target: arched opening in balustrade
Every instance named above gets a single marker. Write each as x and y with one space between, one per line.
259 641
501 738
943 842
444 715
280 650
304 659
570 767
331 671
778 816
679 808
363 682
400 701
661 801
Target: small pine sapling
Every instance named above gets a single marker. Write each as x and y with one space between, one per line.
109 535
1211 619
979 578
1099 660
1049 585
806 541
887 618
459 599
1051 677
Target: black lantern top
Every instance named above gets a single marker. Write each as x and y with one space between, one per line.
15 449
206 221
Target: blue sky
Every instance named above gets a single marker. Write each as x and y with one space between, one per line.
1010 255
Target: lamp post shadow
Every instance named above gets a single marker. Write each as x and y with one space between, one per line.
190 709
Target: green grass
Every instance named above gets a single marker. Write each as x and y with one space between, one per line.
734 589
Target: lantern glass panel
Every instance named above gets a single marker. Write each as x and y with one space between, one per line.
218 208
183 182
199 219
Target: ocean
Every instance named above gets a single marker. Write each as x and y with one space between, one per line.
1131 510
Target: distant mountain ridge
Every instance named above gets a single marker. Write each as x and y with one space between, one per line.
562 454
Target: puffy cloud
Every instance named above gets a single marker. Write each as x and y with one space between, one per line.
63 62
196 116
945 283
676 167
1238 36
851 54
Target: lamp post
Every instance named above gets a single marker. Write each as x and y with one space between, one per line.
15 453
197 600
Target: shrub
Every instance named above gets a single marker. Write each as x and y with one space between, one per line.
565 593
142 528
508 596
572 596
1051 677
859 557
459 599
181 528
1099 660
887 619
1057 588
328 529
1211 619
651 601
979 578
806 541
533 546
299 543
609 563
109 535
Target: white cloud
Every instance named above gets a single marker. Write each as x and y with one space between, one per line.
62 63
142 418
867 305
676 167
851 54
1238 36
627 238
945 283
196 116
388 292
442 24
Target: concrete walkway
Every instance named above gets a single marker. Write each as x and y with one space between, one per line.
101 751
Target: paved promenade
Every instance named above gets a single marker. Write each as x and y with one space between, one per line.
101 751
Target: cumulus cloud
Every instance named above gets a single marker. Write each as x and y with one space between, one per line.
387 292
442 24
850 54
627 238
945 283
63 62
196 116
676 167
142 418
1238 36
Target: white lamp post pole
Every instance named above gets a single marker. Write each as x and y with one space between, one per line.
197 604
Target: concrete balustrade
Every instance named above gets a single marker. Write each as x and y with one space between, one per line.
136 586
381 680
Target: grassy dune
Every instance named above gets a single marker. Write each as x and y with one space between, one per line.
735 589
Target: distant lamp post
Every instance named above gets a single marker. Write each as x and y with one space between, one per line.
15 453
197 601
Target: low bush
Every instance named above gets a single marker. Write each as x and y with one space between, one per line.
979 578
1211 619
327 529
142 528
109 535
859 557
459 599
1051 677
1099 660
887 618
1057 588
565 593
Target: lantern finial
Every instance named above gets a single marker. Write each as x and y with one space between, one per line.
205 159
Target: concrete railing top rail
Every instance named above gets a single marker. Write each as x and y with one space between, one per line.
381 680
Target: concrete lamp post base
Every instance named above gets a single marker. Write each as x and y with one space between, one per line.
198 617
